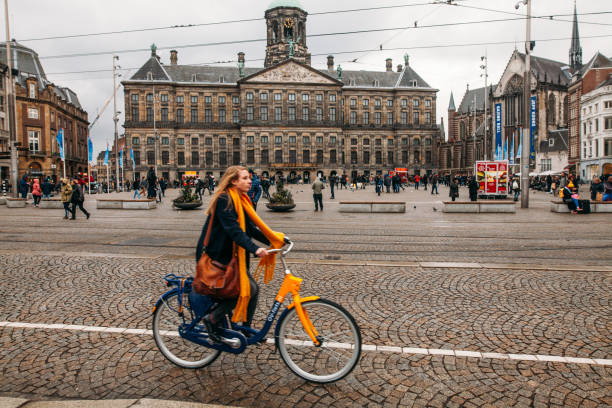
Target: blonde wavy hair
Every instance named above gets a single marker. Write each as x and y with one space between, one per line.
231 174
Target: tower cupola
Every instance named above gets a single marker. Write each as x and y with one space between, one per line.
286 32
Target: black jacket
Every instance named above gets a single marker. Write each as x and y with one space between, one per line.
77 194
225 231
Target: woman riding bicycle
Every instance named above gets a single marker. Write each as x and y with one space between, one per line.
235 223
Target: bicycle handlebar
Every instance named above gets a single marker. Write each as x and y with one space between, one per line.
282 251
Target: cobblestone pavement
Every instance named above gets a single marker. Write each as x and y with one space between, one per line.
107 272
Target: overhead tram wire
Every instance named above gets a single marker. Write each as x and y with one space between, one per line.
356 52
245 20
373 30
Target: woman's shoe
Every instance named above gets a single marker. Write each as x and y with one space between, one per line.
213 331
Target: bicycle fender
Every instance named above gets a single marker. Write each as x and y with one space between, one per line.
163 297
291 306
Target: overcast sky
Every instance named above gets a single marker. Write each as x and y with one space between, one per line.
447 69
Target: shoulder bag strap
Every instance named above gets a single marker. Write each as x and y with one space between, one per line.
210 222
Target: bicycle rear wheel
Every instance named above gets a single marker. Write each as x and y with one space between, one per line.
178 350
340 341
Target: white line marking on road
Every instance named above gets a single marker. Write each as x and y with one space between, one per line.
300 343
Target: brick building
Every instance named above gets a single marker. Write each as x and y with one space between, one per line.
286 117
42 108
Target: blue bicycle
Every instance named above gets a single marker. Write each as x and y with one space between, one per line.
317 339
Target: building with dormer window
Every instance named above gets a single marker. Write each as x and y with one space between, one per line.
284 118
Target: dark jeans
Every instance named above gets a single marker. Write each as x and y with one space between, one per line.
36 199
67 210
473 196
434 187
332 186
80 205
318 201
225 306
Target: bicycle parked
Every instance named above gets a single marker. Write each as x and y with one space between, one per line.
317 339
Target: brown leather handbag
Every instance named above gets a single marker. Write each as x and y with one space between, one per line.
213 278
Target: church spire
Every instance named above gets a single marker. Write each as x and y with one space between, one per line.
575 52
451 103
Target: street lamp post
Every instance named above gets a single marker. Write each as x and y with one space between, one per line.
526 138
486 102
116 119
10 99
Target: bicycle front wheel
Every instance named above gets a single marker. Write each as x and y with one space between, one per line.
338 333
178 350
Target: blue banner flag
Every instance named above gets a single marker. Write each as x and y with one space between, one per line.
132 158
121 158
532 129
498 129
90 149
60 142
106 156
511 154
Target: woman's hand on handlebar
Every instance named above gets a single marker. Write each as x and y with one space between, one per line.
261 252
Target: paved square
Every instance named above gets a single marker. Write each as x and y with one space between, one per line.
454 309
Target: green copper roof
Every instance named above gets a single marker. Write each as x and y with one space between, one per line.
285 3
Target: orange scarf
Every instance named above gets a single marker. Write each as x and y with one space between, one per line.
242 205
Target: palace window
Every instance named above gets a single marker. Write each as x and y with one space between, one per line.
134 97
415 103
319 114
194 99
332 156
415 118
305 97
306 156
223 158
149 97
137 157
208 99
195 158
235 100
292 139
263 97
278 97
378 157
221 141
319 156
390 118
428 118
149 114
291 97
306 140
332 114
180 116
377 118
264 156
164 97
278 139
221 115
404 103
353 102
332 97
366 102
390 157
208 157
236 158
235 116
319 97
194 116
319 139
164 114
208 141
291 113
180 141
180 99
263 112
305 113
150 141
404 117
366 118
353 118
250 156
249 113
135 141
151 157
278 113
249 96
332 140
366 157
165 140
377 103
207 115
33 113
428 103
250 139
264 140
390 103
278 156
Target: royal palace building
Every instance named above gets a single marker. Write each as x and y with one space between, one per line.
284 118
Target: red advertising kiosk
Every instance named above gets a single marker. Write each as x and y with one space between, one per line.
492 178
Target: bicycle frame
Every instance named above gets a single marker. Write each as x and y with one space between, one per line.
292 285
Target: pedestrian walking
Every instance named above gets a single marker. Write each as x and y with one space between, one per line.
387 182
378 184
517 189
332 185
254 192
473 188
317 193
36 192
417 178
66 194
454 189
76 199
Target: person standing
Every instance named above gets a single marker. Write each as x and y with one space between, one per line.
387 181
434 184
454 189
424 181
24 187
317 193
607 195
254 192
46 188
66 193
517 189
379 184
473 188
597 187
76 199
163 185
151 182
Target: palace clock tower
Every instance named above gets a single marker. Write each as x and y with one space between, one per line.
286 32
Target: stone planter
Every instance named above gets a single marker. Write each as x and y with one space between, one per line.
54 203
280 207
15 202
118 204
2 200
187 206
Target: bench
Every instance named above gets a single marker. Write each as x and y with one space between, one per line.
372 207
118 204
12 202
558 206
495 206
54 203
